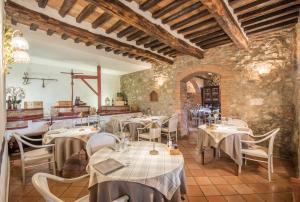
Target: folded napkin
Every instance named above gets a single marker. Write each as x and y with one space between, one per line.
108 166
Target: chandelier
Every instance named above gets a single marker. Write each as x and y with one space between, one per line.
20 46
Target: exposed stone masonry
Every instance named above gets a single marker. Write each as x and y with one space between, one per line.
264 100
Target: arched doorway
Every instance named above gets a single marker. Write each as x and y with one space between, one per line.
186 74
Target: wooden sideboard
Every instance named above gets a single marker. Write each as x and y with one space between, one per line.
18 118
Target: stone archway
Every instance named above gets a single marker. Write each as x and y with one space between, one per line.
185 74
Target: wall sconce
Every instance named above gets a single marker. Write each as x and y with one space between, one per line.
20 46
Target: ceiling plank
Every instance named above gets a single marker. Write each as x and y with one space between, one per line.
148 4
66 7
126 14
126 31
118 24
164 10
27 17
184 11
42 3
227 20
190 19
272 15
101 20
86 12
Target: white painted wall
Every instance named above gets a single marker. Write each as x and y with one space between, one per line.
60 90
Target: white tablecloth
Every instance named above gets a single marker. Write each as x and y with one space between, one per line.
161 172
82 133
226 137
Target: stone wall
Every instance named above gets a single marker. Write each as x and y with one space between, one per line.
248 91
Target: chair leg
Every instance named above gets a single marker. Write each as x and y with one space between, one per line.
272 165
176 136
23 173
269 169
169 136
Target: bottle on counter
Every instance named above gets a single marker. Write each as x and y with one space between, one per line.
112 102
9 103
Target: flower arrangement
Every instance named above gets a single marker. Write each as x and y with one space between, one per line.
15 95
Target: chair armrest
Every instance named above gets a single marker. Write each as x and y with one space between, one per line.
37 146
31 139
266 134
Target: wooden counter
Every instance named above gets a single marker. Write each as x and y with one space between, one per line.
18 118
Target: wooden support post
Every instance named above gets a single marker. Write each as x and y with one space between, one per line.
99 87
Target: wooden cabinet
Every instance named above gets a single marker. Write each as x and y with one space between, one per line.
211 96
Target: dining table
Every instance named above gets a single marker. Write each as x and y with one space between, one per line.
132 123
68 141
144 177
224 136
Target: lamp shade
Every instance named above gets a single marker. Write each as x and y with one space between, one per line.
19 42
21 56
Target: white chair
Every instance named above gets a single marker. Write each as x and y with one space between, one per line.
149 133
172 127
61 124
260 151
100 140
31 158
40 183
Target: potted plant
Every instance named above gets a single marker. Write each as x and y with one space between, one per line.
17 94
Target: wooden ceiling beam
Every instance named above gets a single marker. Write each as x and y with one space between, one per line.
33 26
164 49
208 36
189 19
101 20
66 7
277 20
50 32
126 14
268 9
219 43
126 31
223 14
42 3
202 32
135 35
213 40
148 4
210 22
183 12
86 12
171 6
252 5
27 17
272 15
273 27
115 26
143 40
152 43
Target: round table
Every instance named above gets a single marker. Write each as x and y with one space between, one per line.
162 172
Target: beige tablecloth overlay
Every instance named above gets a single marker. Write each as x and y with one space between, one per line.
163 172
139 122
67 142
226 137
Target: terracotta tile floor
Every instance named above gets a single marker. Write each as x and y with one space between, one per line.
214 181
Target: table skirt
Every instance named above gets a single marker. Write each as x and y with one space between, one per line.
65 148
111 190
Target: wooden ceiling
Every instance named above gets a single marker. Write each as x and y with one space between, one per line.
196 25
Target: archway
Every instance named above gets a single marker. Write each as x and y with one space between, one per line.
185 74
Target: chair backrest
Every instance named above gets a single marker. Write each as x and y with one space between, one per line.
272 139
115 125
19 140
173 122
40 183
100 140
61 124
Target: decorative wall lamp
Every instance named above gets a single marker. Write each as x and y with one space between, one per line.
20 46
